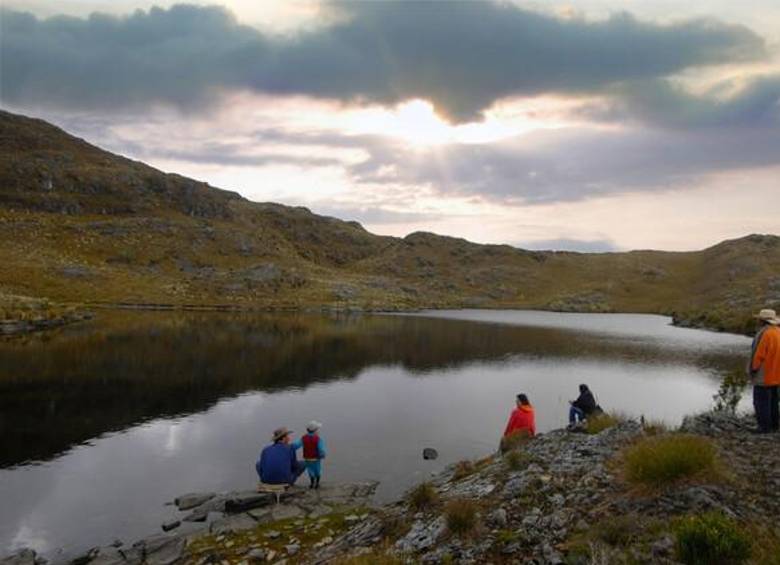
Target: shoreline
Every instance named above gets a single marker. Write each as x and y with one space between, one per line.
692 321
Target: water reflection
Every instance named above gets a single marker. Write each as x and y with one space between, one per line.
58 390
132 409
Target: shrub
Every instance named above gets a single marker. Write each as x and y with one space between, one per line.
730 392
711 539
660 460
600 422
514 440
463 469
423 496
461 515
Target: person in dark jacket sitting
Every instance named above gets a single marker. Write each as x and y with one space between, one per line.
584 406
278 464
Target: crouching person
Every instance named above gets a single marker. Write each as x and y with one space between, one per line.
278 464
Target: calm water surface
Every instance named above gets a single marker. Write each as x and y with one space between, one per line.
102 423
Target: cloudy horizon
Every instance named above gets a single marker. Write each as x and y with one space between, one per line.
581 125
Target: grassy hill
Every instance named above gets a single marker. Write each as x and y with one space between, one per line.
79 224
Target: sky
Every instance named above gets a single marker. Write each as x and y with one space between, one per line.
587 125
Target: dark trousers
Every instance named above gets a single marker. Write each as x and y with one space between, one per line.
765 400
575 415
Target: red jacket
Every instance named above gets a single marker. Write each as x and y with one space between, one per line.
522 418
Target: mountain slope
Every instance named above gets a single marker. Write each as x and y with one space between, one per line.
80 224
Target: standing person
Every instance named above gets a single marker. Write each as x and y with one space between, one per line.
522 419
278 464
764 371
313 453
584 406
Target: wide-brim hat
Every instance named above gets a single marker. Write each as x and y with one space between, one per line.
279 433
768 315
313 426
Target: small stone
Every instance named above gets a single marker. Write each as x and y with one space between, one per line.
430 454
270 556
326 540
171 525
352 519
219 538
257 555
272 534
230 544
499 518
292 549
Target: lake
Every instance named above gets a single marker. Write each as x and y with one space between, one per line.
103 422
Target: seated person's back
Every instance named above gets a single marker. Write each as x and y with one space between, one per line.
278 464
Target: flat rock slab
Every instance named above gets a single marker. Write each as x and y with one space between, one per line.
23 557
192 500
243 501
161 550
286 511
232 524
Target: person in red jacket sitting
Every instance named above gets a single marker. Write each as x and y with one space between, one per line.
522 418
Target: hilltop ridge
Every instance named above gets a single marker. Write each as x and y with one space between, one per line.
79 224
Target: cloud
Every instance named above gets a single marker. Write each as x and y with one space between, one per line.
570 165
660 102
462 56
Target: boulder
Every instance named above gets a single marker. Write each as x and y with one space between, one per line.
430 453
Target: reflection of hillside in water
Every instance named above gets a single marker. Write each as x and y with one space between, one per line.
62 389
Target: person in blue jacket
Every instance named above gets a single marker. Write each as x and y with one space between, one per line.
313 453
278 464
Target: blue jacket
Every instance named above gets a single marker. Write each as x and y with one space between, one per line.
278 465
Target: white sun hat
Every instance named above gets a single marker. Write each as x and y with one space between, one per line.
768 315
313 426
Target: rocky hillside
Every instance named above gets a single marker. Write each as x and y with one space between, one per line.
79 224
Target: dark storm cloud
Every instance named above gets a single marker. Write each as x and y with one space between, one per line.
462 56
663 103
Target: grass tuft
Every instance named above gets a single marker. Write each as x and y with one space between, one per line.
515 440
711 539
600 422
618 531
461 515
516 460
423 497
654 427
463 469
660 460
373 557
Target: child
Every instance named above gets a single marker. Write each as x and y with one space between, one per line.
313 453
